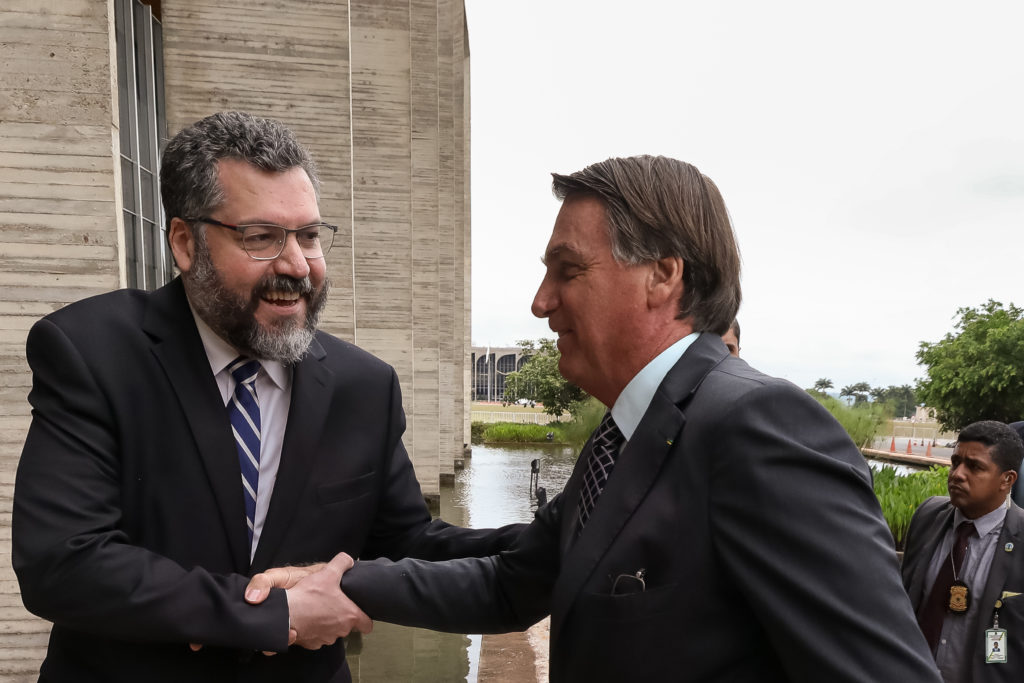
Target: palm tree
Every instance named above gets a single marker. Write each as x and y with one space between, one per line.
822 384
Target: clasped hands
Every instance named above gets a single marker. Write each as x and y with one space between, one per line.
318 612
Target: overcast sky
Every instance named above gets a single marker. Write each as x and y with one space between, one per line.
871 155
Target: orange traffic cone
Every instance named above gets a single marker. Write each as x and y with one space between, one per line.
928 453
892 446
909 452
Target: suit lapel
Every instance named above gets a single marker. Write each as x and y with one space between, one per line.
179 350
312 390
931 540
635 474
994 585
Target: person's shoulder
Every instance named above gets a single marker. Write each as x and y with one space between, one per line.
346 355
933 506
101 313
734 377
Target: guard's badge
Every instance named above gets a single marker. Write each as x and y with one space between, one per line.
958 599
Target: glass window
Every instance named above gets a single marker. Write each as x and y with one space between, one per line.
143 132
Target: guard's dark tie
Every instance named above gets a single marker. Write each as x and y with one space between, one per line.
933 611
244 413
604 451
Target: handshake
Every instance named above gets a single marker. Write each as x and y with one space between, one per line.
318 612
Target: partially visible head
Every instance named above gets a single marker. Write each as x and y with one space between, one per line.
641 254
983 467
240 170
732 338
658 207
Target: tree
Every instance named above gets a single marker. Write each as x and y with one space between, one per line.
858 392
822 384
976 372
902 400
539 380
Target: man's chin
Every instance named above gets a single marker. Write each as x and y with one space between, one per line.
280 322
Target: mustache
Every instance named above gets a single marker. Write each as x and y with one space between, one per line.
283 283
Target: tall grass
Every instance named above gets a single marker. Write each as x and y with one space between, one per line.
862 421
510 432
901 495
584 421
574 432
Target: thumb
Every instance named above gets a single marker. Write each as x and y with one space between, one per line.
340 564
259 587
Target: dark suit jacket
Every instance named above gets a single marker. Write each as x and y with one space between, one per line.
765 553
927 528
129 527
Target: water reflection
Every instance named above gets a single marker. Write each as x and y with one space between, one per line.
492 490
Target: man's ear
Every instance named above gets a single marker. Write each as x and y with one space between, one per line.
183 244
666 282
1009 476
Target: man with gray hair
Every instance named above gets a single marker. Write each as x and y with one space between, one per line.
719 525
186 438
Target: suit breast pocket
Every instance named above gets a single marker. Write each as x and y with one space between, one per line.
631 607
347 490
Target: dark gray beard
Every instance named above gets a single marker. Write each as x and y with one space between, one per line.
233 317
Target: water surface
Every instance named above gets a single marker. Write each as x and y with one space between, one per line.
492 490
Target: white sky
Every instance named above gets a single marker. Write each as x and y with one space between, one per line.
871 155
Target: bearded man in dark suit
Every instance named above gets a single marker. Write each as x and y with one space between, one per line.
720 525
184 439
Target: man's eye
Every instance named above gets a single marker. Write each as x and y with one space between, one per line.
260 236
308 236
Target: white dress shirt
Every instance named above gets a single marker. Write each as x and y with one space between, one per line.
634 400
274 392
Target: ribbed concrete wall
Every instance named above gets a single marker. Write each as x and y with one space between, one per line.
378 89
59 225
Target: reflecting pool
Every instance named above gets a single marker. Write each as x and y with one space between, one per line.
493 489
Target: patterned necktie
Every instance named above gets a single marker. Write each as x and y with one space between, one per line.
933 611
605 449
244 413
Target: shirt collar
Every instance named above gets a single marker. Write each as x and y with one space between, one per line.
987 522
220 354
632 403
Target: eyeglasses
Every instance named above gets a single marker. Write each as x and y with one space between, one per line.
265 241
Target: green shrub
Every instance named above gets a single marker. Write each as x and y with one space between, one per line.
512 432
862 421
900 496
584 421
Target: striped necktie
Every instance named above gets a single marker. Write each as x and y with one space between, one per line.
604 451
244 413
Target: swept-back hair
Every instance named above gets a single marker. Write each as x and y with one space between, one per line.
188 171
658 207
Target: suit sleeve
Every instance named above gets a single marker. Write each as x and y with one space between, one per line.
498 594
800 534
75 564
402 526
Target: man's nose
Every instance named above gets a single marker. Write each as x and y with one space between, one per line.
292 261
544 301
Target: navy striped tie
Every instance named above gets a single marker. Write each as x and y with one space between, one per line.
604 451
244 413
